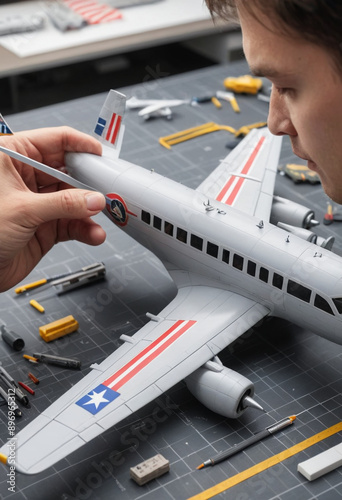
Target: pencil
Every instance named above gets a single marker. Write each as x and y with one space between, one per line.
248 442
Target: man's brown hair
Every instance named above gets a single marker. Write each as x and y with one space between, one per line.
318 21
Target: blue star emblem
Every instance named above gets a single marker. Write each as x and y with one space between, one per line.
97 399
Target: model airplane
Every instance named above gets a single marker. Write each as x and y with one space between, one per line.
232 266
155 107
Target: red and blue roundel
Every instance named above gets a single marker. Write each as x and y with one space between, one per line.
117 208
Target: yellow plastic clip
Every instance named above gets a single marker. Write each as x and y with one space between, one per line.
235 105
216 102
247 128
37 306
30 286
58 328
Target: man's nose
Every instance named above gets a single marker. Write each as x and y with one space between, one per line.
279 120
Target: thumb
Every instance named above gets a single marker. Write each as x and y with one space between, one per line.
66 204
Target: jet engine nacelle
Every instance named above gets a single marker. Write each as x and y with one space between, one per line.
292 213
220 389
307 235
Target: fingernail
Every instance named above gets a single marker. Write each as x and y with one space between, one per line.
95 201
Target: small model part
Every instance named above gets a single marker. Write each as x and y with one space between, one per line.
64 18
95 12
9 381
243 131
20 24
190 133
230 97
27 388
37 306
206 98
29 286
299 173
322 463
58 361
150 469
328 217
33 378
85 276
216 102
331 216
5 129
12 339
255 438
67 281
201 99
245 84
58 328
30 358
5 395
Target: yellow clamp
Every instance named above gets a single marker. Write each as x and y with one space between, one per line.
169 140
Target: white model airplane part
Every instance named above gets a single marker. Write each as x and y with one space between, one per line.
109 129
155 107
232 268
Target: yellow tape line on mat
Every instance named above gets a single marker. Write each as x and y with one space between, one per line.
266 464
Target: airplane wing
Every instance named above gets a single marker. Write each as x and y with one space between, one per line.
133 102
190 331
152 108
160 106
245 178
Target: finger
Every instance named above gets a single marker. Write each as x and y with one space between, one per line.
52 143
48 145
85 231
65 204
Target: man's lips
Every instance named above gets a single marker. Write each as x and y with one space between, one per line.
300 155
310 164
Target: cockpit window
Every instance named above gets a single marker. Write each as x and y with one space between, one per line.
322 304
338 304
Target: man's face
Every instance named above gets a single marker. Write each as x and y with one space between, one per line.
306 100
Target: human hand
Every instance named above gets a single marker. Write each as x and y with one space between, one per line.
36 210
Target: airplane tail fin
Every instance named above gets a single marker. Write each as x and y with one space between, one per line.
4 127
109 129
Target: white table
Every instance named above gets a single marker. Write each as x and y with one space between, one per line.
149 25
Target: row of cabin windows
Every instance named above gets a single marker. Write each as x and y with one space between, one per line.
181 234
293 288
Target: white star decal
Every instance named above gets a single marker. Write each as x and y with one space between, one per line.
96 398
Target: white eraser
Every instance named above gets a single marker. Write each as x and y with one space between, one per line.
322 463
150 469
